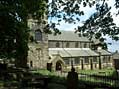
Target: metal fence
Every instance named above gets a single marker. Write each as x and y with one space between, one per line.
96 79
100 80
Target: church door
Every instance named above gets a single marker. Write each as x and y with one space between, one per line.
58 66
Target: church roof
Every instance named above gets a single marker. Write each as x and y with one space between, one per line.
72 52
104 52
67 36
116 55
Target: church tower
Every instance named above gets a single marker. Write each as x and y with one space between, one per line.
38 43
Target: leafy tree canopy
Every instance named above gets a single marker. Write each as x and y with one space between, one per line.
99 24
13 25
14 15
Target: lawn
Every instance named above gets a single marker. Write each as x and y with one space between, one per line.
107 72
60 82
103 72
86 78
43 72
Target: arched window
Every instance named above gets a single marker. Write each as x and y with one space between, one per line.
38 35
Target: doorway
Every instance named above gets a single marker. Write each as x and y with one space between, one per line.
58 66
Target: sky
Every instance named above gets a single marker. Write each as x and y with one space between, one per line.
88 11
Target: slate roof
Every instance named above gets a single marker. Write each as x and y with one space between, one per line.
116 55
72 52
104 52
67 36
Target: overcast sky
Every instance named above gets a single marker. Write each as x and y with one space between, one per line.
88 11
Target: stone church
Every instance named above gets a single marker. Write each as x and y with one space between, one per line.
60 52
69 49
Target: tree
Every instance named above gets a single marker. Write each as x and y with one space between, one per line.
99 24
13 27
14 14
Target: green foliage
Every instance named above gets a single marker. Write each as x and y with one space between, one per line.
98 25
14 15
44 72
106 71
13 26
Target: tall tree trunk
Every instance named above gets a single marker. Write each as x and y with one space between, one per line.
21 61
21 49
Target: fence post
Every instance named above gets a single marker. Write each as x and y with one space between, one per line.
82 66
91 64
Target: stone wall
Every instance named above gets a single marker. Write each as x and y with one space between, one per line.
38 50
38 55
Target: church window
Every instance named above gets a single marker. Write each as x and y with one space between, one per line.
104 59
85 45
80 44
67 61
77 61
38 35
57 44
94 59
67 44
86 60
76 45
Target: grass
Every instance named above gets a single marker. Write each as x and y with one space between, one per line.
90 80
107 72
44 72
1 83
110 73
103 72
58 82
